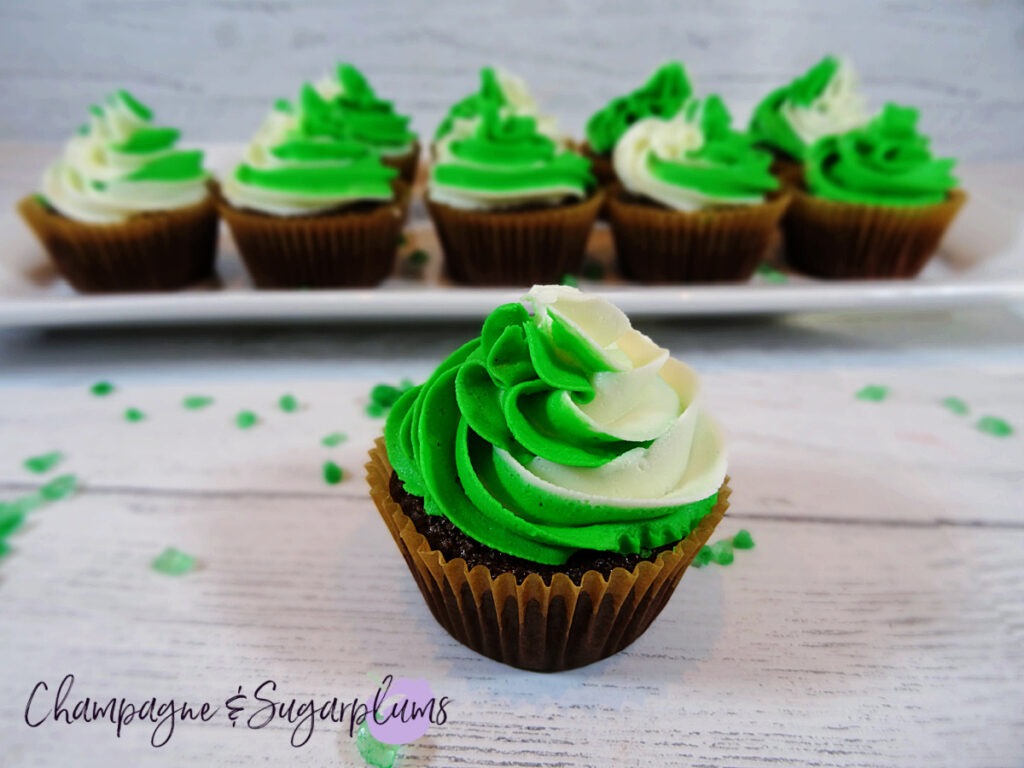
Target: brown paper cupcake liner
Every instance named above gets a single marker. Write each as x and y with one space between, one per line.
832 239
788 171
544 627
160 251
406 163
344 249
601 165
659 245
517 247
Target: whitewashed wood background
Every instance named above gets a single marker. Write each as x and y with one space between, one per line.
213 68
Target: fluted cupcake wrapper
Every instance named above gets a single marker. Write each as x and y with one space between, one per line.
533 625
658 245
405 163
604 172
334 250
159 251
517 247
832 239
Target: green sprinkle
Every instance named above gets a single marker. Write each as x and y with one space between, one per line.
993 425
402 239
593 270
770 274
375 410
197 402
569 280
955 405
288 403
377 754
44 462
59 488
333 439
873 393
419 257
703 557
246 419
11 520
102 388
5 549
721 552
133 414
743 539
383 396
333 474
30 502
173 562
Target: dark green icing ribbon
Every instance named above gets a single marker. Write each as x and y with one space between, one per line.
887 162
661 96
472 106
508 154
510 389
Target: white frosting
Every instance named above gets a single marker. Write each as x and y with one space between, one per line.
840 108
69 183
649 396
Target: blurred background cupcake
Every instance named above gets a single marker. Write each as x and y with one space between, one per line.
510 205
876 203
310 210
122 209
695 201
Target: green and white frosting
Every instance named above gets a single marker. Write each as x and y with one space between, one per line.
120 165
505 163
288 171
558 431
512 96
824 101
693 160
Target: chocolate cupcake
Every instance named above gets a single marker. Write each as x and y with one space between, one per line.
511 207
695 202
875 202
308 210
550 482
123 209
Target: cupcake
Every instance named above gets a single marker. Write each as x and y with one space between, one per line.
511 207
512 97
550 482
310 210
825 100
696 201
662 95
123 209
875 203
345 106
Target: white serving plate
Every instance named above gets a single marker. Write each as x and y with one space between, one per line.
981 262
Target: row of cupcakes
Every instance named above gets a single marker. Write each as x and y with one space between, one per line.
322 189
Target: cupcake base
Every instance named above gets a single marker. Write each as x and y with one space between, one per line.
345 249
659 245
839 240
406 164
514 247
160 251
601 165
544 621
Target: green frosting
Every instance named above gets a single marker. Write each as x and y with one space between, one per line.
473 105
509 155
887 162
661 96
511 389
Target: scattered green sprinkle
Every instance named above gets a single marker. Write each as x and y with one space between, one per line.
102 388
419 257
197 402
770 274
593 270
703 557
173 562
44 462
402 239
873 393
743 539
246 419
133 414
333 439
376 410
5 549
569 280
59 488
333 474
993 425
24 504
383 396
721 552
288 403
10 521
377 754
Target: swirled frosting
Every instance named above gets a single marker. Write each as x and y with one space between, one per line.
559 431
120 164
693 160
506 163
345 106
887 162
661 96
826 100
286 171
512 97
